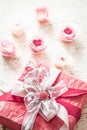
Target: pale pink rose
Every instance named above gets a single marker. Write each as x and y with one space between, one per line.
7 48
42 15
37 45
67 34
18 31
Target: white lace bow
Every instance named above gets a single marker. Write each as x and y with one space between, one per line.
40 96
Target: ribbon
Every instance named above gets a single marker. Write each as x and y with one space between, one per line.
39 96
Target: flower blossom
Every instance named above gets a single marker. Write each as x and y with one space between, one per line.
7 48
37 45
67 34
42 15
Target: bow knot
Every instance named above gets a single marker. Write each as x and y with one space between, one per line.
43 95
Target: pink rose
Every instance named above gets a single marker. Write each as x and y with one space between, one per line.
18 31
7 48
37 45
67 34
42 15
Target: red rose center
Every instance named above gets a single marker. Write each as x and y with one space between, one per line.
37 42
62 58
67 31
43 95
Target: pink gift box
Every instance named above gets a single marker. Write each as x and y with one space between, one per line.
73 100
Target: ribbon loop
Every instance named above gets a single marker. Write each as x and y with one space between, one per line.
49 109
31 101
58 89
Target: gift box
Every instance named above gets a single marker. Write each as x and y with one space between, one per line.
57 106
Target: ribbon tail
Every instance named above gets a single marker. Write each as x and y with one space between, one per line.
63 115
18 89
29 119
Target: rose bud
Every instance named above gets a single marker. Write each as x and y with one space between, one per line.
42 15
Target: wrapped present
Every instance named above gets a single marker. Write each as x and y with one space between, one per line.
44 98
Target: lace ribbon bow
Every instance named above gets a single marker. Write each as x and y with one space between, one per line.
40 97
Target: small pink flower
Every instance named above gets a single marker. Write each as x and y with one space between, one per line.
61 63
37 45
42 15
67 34
18 31
7 48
